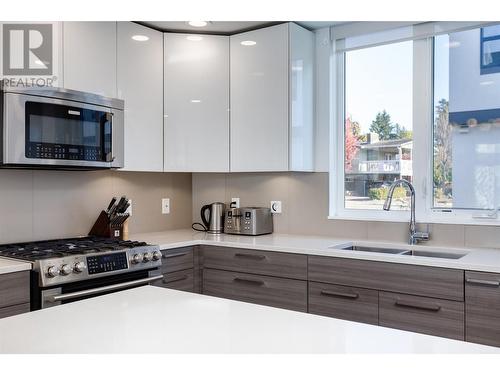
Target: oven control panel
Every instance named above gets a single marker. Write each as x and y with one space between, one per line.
81 267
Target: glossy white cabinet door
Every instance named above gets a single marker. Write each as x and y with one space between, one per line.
89 50
196 103
302 51
140 85
259 100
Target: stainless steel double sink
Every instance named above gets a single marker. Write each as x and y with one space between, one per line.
416 253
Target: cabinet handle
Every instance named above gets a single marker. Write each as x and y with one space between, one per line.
168 256
251 256
248 281
418 306
483 282
174 280
340 294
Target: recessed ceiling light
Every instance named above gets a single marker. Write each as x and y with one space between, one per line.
140 38
453 44
194 38
248 43
486 83
198 23
195 101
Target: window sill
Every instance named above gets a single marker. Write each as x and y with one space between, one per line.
421 220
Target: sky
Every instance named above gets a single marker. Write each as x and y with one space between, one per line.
387 81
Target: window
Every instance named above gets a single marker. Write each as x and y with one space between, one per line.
418 106
378 124
466 136
490 49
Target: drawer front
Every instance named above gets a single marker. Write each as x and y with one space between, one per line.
14 288
342 302
177 259
14 310
263 290
482 308
180 280
270 263
431 316
402 278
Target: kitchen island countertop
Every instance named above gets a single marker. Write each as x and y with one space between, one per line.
157 320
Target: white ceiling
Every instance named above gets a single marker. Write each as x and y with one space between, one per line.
228 27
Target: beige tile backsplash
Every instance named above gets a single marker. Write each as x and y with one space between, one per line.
305 209
52 204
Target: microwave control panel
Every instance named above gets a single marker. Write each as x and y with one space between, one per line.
63 152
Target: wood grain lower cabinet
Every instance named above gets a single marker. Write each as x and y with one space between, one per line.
177 259
293 266
14 310
431 316
180 280
14 288
400 278
343 302
482 308
264 290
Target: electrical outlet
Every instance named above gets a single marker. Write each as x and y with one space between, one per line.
165 206
276 207
129 209
236 201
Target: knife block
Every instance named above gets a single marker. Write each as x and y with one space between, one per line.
103 228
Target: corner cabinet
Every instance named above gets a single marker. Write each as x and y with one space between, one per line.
196 103
272 73
140 84
89 57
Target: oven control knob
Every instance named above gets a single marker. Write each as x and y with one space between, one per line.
53 271
66 269
156 255
79 267
146 257
137 258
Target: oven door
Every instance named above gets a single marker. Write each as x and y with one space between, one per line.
92 288
49 132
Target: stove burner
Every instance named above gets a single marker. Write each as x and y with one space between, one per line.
32 251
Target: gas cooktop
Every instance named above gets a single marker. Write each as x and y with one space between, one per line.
33 251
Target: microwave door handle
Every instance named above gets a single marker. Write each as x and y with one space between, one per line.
109 156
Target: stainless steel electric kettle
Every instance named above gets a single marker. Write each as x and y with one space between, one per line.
215 222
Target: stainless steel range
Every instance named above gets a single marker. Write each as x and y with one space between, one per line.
68 270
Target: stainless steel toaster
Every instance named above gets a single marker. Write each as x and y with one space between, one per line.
250 221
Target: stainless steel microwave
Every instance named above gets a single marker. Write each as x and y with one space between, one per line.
60 128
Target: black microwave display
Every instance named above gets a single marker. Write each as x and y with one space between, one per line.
55 131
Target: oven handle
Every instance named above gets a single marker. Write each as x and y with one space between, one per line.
89 292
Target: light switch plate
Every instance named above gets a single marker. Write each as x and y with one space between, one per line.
237 201
276 207
165 206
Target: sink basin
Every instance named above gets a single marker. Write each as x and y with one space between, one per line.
433 254
416 253
369 249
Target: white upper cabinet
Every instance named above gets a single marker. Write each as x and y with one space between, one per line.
140 85
89 50
196 103
259 100
272 124
302 63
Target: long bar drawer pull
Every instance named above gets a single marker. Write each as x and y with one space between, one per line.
248 281
340 294
175 280
419 306
483 282
250 256
168 256
103 289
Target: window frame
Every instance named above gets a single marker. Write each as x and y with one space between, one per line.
423 143
485 69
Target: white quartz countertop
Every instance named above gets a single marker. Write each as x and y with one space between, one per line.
157 320
9 266
487 260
